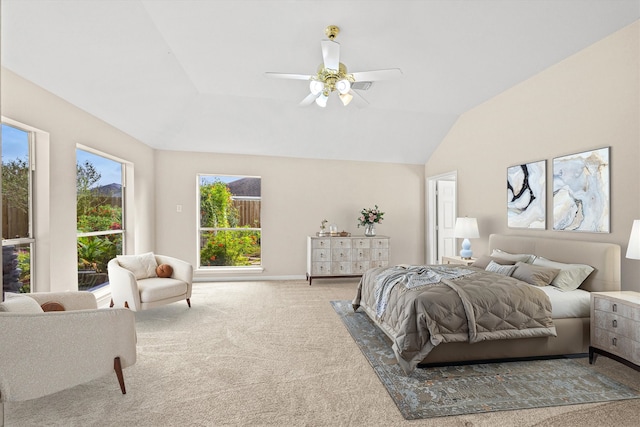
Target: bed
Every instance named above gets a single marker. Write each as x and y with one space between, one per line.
558 324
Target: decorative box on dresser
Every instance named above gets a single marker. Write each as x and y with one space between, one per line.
329 257
615 327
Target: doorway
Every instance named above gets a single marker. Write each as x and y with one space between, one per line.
441 216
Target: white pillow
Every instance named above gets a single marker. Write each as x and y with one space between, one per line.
570 276
20 304
528 258
142 266
505 270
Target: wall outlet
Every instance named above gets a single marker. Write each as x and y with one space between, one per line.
178 208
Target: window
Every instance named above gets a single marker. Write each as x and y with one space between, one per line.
229 227
17 209
100 207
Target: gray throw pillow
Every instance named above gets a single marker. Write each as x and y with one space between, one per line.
570 276
534 274
505 270
484 260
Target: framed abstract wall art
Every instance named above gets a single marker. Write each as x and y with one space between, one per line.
526 195
581 192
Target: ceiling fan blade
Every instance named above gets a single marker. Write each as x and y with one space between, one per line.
361 85
331 54
391 73
308 100
287 76
358 100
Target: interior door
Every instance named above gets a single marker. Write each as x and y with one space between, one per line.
446 218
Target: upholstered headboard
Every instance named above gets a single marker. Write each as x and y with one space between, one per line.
603 257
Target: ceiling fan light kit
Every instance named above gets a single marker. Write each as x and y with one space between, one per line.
332 76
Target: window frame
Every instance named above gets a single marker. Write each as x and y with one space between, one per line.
200 229
123 204
31 240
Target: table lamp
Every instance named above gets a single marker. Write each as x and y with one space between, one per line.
466 228
633 250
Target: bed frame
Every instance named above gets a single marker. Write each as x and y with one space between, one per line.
573 334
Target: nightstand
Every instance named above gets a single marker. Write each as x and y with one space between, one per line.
615 327
457 260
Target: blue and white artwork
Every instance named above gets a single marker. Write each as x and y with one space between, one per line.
526 195
581 192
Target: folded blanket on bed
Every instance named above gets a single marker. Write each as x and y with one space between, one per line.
411 277
469 307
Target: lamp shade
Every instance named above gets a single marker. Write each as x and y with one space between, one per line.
466 228
633 250
343 86
322 100
316 87
346 98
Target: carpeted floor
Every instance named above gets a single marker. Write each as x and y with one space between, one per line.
268 353
469 389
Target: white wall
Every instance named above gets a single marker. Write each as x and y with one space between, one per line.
67 126
590 100
297 194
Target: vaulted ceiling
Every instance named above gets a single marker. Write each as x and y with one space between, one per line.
189 75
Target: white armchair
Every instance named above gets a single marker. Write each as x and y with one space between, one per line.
135 284
45 352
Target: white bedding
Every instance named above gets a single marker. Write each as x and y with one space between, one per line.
566 304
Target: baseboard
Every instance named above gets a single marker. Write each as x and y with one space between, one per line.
217 278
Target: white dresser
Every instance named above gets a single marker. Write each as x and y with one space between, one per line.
345 256
615 327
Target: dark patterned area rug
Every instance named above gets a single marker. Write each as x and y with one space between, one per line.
487 387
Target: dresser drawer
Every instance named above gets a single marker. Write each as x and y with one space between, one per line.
614 343
379 263
379 254
360 254
340 243
320 243
341 255
359 267
321 255
618 307
380 243
340 268
320 268
361 243
617 324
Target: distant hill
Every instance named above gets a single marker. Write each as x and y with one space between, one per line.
111 190
248 187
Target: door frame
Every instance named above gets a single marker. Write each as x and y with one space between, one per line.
431 237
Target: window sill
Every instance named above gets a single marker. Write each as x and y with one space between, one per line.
217 271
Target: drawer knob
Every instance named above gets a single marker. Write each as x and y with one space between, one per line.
615 323
615 308
321 243
614 341
321 255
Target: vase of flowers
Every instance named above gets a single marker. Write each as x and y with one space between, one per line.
370 230
368 219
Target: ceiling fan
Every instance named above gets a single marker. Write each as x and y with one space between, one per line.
332 76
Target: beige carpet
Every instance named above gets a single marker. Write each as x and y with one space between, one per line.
268 353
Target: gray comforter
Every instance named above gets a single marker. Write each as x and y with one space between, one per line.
419 307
